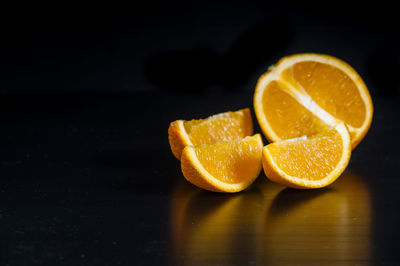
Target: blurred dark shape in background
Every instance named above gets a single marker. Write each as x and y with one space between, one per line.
182 46
197 69
254 48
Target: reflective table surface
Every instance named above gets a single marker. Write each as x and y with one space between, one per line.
87 185
270 224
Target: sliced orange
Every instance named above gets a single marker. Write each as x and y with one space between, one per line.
303 93
224 126
308 162
225 166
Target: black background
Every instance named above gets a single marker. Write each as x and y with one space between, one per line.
87 94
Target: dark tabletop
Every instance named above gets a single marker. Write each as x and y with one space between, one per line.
86 173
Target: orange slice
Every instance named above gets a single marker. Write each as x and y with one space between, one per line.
225 166
312 162
224 126
303 93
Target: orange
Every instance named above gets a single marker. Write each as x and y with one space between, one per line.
308 162
304 93
224 126
225 166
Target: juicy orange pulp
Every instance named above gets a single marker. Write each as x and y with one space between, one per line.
304 93
312 159
308 162
225 126
225 166
230 162
287 116
330 88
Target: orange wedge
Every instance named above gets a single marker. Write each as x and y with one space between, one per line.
224 126
308 162
304 93
225 166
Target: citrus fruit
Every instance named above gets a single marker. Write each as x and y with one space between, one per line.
304 93
308 162
223 126
225 166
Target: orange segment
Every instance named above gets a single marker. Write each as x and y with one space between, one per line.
224 126
330 89
308 162
225 166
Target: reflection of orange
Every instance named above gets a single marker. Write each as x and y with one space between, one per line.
270 224
328 226
209 228
182 194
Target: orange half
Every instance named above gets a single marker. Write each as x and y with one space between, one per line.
304 93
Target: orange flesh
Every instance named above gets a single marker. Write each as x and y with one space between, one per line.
229 126
312 159
231 162
283 112
331 89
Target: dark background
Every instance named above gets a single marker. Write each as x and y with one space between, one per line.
87 94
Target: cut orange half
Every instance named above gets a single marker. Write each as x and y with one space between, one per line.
225 166
304 93
224 126
308 162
